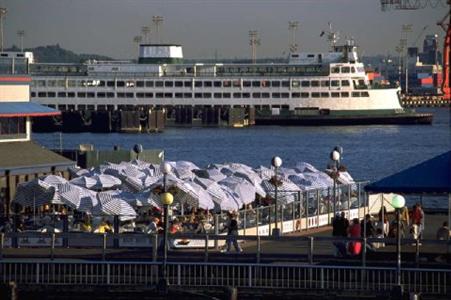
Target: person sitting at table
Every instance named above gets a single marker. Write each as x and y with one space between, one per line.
103 227
153 226
86 225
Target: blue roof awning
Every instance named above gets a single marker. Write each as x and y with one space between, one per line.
26 109
431 176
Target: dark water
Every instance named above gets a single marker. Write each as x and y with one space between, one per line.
370 152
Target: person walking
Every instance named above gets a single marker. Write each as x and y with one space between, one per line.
417 221
232 234
354 231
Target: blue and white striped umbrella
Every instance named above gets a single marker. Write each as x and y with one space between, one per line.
243 188
35 193
222 199
110 206
78 198
286 191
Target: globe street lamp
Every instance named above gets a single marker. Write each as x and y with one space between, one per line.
166 168
276 162
335 156
166 200
398 202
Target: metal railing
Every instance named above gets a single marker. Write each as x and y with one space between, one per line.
275 276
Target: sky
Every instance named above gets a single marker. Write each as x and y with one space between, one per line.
207 28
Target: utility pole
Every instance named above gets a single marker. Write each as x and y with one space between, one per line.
21 34
3 12
157 21
292 27
254 41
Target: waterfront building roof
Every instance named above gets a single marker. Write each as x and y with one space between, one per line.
28 157
431 176
26 109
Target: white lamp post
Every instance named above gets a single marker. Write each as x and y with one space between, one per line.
398 202
335 156
166 199
276 162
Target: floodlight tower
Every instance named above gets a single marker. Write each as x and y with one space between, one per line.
3 12
254 41
21 34
292 27
145 30
157 21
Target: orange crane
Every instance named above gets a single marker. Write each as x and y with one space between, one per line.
445 24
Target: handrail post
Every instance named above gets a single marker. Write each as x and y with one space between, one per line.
417 253
300 210
244 220
216 224
310 254
52 246
2 244
103 246
259 248
293 216
154 247
206 248
306 211
317 208
364 252
270 215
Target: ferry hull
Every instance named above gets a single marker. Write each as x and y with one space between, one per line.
328 120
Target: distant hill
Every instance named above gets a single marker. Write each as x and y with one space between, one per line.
56 54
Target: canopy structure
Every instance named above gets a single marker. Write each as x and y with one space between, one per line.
26 109
429 177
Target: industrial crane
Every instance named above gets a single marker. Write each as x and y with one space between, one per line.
445 24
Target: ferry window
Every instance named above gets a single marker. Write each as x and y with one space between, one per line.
265 95
246 95
40 83
61 83
226 83
345 94
51 94
83 95
42 94
256 95
159 83
71 95
217 83
187 84
51 83
352 70
101 83
71 83
275 83
187 95
101 95
335 83
168 95
265 83
335 70
345 69
324 95
284 106
178 84
197 95
236 83
208 84
91 95
225 95
198 83
255 83
149 83
217 95
140 84
246 83
345 83
236 95
295 95
365 94
361 82
159 95
335 95
355 94
120 83
315 95
110 95
295 83
285 95
305 83
325 83
304 95
61 95
110 83
207 95
276 95
178 95
168 84
33 94
315 83
285 83
148 95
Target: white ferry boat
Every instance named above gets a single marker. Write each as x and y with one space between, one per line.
160 90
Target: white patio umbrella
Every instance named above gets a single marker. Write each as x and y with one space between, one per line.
243 188
204 199
221 199
78 198
110 206
35 193
84 181
286 190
